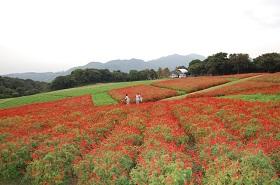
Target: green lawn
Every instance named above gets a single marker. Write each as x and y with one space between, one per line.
256 97
99 93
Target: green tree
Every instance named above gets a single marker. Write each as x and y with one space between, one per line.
240 62
197 67
166 72
218 64
63 82
13 87
269 62
133 75
160 72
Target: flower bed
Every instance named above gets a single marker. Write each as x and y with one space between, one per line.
191 84
266 84
149 93
190 141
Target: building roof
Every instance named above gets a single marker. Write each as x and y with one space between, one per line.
183 70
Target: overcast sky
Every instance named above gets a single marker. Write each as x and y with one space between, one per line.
54 35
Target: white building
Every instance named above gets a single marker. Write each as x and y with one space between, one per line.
179 73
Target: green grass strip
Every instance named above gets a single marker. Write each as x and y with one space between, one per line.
256 97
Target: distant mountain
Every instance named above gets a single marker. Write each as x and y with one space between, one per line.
170 61
43 77
122 65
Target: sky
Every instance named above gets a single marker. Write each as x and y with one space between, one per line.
54 35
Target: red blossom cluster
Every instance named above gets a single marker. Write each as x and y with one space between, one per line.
192 84
265 84
148 93
190 141
241 76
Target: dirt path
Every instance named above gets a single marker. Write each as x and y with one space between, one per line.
210 88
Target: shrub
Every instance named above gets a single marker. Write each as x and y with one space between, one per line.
54 168
13 161
249 169
163 170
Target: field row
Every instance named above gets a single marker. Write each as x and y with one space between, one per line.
193 141
266 84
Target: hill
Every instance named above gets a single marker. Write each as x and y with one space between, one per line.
170 61
14 87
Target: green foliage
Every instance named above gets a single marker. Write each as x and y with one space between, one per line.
256 97
249 169
269 62
84 169
217 64
54 168
13 161
197 67
163 73
112 168
126 162
81 77
164 171
221 63
250 131
14 87
163 130
240 63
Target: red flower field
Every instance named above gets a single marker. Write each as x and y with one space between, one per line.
241 76
191 84
149 93
191 141
266 84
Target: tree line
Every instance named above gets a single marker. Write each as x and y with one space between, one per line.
222 63
14 87
81 77
217 64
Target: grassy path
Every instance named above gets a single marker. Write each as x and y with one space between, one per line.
211 88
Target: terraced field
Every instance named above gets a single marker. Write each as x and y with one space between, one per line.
201 140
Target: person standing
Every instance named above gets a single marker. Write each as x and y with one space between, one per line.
137 98
140 98
127 99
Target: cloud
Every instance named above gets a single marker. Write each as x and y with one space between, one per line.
265 13
265 21
273 2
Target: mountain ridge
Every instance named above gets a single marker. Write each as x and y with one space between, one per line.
124 65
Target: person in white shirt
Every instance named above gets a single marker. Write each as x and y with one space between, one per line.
140 98
137 98
127 99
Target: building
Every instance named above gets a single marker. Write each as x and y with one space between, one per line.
179 73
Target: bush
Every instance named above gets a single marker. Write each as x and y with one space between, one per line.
54 168
13 161
249 169
163 171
